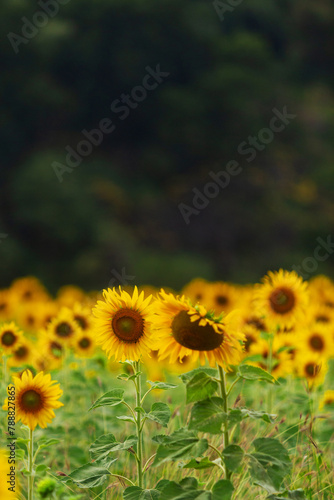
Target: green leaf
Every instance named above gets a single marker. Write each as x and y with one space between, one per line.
289 495
236 415
137 493
208 415
126 418
269 464
111 398
125 377
49 442
249 372
233 456
161 385
41 468
200 386
160 413
107 443
89 476
204 463
182 444
185 377
186 490
222 490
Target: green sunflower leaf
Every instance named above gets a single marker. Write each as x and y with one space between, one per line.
200 386
111 398
233 456
269 464
160 413
161 385
222 490
249 372
107 443
208 415
185 377
204 463
89 476
183 444
137 493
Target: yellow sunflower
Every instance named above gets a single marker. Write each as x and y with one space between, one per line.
10 336
6 308
197 290
5 469
317 340
123 324
51 352
69 295
85 345
222 297
327 400
35 399
187 330
281 363
82 315
322 291
63 328
23 354
309 367
28 289
282 298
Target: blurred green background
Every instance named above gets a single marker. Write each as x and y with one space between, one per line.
120 207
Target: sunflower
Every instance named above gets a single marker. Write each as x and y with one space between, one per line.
327 400
35 399
222 297
282 298
23 354
124 324
63 328
317 340
197 291
5 493
51 352
28 289
187 330
84 345
82 315
281 363
10 336
310 367
69 295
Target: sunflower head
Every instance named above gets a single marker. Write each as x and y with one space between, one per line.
195 332
282 299
35 399
63 328
10 336
123 324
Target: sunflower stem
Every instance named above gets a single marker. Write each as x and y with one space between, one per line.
270 367
30 465
224 396
139 429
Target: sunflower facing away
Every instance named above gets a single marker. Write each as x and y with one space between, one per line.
35 399
123 324
187 330
282 298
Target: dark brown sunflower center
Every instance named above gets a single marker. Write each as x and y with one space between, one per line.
198 296
31 401
317 343
311 369
21 352
30 320
82 322
64 329
222 300
3 306
257 323
8 338
329 401
321 318
193 336
84 343
27 295
249 341
128 325
282 300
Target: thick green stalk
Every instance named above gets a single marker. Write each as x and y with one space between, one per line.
224 396
30 465
139 429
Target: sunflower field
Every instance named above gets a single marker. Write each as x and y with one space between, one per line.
217 391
